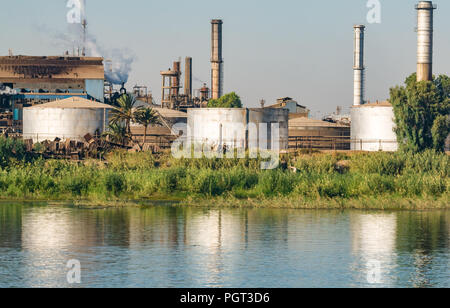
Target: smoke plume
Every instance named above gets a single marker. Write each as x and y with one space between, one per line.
117 61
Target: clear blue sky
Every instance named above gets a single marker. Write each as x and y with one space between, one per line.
296 48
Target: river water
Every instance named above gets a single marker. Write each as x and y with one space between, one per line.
166 246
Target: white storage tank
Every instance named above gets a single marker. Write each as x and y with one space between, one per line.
227 127
71 118
373 128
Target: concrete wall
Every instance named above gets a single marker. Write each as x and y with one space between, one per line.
218 127
42 124
373 129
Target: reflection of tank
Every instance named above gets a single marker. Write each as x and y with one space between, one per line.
374 240
214 236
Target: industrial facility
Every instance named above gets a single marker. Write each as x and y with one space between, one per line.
373 123
69 96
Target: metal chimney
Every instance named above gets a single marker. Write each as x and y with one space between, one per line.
176 78
425 40
216 59
188 77
358 65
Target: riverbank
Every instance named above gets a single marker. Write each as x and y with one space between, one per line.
338 180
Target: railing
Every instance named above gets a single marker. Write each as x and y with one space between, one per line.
160 141
319 143
340 144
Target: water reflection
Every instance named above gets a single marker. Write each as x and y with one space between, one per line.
165 246
374 246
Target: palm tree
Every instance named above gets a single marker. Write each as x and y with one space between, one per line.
117 133
123 112
146 117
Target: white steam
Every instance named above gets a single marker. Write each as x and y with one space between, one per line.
117 62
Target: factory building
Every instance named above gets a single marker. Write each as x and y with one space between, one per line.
51 78
306 133
71 118
28 80
219 128
295 109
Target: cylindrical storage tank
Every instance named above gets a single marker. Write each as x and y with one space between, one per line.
227 127
217 127
67 119
373 128
273 116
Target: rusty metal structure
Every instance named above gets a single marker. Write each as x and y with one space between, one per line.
169 88
188 77
171 97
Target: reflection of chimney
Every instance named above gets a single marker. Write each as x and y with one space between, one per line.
216 59
188 77
425 40
358 66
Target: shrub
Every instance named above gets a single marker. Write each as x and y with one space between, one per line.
10 150
115 183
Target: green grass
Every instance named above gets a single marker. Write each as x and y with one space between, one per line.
375 180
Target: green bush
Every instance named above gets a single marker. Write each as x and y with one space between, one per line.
11 150
115 183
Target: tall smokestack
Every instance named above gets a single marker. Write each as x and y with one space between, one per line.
188 77
216 59
425 40
176 79
358 65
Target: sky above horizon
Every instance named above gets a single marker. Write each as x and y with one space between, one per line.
296 48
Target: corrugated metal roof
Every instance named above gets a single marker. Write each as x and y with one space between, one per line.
164 112
169 113
307 122
74 103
